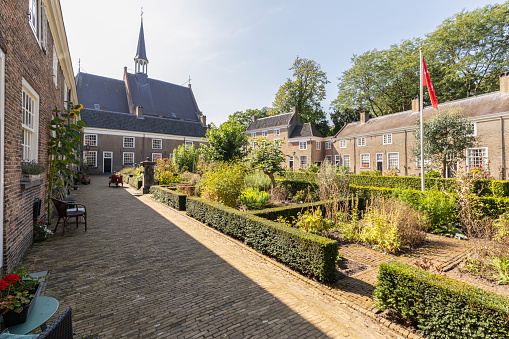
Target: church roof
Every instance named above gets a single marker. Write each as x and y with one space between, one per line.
130 122
305 130
140 52
108 93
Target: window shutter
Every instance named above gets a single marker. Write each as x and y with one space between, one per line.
44 24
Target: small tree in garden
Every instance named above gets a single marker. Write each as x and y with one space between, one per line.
223 182
64 149
446 137
267 157
185 158
226 143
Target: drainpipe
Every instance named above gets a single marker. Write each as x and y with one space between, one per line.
354 157
502 148
406 159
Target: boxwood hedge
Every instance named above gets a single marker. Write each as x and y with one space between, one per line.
134 182
307 253
439 306
293 186
286 211
169 197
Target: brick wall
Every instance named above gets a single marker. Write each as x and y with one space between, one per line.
25 59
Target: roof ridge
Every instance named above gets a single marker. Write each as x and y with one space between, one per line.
273 116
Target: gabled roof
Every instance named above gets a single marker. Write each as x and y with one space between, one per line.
305 130
471 108
268 122
130 122
108 93
140 52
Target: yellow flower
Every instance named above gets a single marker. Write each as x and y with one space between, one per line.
72 115
78 108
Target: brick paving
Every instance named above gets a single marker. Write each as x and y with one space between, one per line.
143 270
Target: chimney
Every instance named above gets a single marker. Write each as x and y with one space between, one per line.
415 104
504 83
139 112
364 117
253 118
203 120
294 109
160 114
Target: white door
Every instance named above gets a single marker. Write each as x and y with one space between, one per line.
107 162
2 155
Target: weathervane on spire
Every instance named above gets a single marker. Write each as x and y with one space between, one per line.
141 13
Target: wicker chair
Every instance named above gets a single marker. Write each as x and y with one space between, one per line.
60 328
68 210
60 194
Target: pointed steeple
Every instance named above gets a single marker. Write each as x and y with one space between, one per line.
140 60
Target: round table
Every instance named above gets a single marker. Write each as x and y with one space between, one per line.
42 310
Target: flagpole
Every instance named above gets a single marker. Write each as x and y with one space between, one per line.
422 125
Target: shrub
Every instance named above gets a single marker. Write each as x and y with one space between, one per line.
305 195
307 253
223 182
293 186
185 158
286 212
169 197
313 222
501 226
252 198
432 174
332 187
440 209
258 180
440 306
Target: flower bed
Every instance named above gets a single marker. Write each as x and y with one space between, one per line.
169 197
307 253
441 307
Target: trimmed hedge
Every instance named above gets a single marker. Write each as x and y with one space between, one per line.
134 182
304 252
366 193
439 306
490 206
285 211
298 176
293 186
169 197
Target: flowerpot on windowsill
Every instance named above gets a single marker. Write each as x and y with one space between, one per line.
30 177
12 318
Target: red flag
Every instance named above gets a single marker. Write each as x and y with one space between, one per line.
427 83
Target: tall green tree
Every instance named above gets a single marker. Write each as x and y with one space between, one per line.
446 137
267 157
246 117
342 116
226 143
306 91
185 158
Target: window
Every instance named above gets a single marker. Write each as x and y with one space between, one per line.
328 158
157 156
290 162
30 123
277 142
303 161
393 160
303 145
427 162
128 142
361 141
277 131
387 139
128 158
474 125
477 157
90 140
38 21
264 133
55 67
365 160
337 160
170 156
327 145
318 145
346 161
253 134
189 144
157 143
90 158
342 143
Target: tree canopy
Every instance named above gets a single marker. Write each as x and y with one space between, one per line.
245 117
267 157
226 143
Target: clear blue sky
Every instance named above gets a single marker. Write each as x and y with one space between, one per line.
238 52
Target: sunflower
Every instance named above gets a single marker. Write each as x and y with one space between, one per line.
72 115
78 107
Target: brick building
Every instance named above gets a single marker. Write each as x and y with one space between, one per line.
36 77
385 143
137 117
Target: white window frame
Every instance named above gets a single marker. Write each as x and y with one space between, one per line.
31 127
474 124
55 67
342 143
265 133
291 160
157 156
387 139
277 131
328 158
123 158
328 145
337 160
90 139
253 134
483 159
154 143
365 159
128 143
303 145
318 145
86 155
34 16
301 162
346 161
427 162
110 153
361 141
188 144
389 164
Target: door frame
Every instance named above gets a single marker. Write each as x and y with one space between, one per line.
104 157
377 161
2 153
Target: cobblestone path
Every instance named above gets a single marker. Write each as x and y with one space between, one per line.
143 270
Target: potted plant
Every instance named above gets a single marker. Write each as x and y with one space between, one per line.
31 170
18 292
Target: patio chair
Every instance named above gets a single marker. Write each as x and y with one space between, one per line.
67 210
59 193
60 328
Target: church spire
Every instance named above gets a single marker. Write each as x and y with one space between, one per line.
140 60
